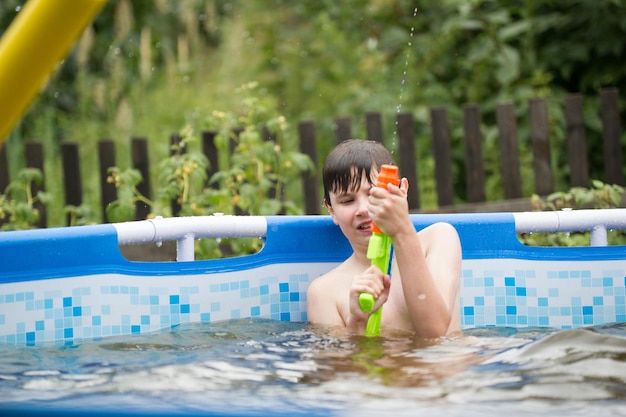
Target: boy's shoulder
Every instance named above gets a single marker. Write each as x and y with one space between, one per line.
335 277
326 277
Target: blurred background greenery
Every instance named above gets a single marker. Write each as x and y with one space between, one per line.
151 67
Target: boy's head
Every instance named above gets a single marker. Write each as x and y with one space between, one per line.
349 162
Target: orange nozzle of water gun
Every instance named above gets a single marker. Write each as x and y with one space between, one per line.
388 174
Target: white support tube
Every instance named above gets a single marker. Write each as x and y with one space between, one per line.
185 230
175 228
185 250
598 236
596 221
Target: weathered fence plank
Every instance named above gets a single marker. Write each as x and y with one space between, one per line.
611 131
34 159
176 149
343 128
71 175
209 149
4 174
576 141
311 180
443 154
4 169
141 162
474 171
539 135
267 137
509 153
374 126
108 192
406 158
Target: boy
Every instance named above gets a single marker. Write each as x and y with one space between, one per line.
423 295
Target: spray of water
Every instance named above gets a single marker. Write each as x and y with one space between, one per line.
404 75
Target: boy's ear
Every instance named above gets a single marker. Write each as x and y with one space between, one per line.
330 210
404 185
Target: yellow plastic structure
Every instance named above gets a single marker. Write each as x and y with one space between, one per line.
38 38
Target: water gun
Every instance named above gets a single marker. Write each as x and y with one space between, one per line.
380 251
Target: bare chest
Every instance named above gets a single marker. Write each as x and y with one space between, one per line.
395 314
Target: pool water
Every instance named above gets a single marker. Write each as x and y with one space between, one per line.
261 367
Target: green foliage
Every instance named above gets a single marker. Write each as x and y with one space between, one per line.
179 173
578 43
17 204
252 181
126 182
80 215
599 196
149 68
325 61
261 162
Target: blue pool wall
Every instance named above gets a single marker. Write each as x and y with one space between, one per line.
70 284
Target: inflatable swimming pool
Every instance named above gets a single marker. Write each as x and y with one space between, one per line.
65 285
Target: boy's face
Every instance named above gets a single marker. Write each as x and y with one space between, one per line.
349 211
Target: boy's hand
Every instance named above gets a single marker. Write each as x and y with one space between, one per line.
371 281
389 208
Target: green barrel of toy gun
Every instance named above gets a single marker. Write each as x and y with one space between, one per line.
379 251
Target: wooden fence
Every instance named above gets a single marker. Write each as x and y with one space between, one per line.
441 147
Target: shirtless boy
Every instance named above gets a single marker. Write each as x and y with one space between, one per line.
422 294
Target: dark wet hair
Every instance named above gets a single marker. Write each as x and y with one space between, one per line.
346 165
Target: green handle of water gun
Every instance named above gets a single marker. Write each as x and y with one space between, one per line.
366 302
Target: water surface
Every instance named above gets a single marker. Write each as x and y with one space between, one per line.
261 366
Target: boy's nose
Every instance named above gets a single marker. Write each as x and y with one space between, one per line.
363 203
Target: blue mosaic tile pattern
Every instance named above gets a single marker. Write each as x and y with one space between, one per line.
68 310
495 292
560 295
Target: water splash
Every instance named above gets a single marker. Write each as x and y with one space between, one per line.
404 76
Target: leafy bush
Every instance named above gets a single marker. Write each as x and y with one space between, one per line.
17 204
253 179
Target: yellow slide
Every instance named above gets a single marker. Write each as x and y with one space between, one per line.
30 49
